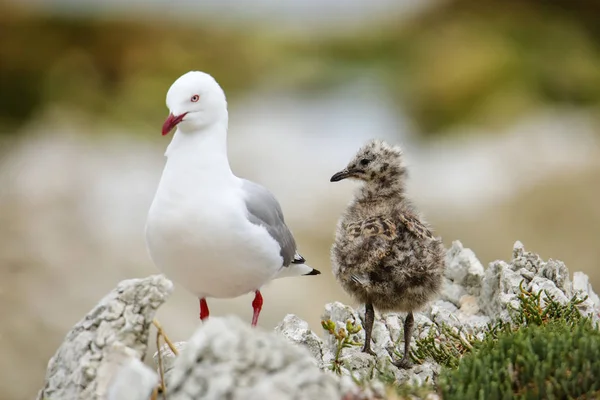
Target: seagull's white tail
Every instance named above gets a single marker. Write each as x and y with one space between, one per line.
296 270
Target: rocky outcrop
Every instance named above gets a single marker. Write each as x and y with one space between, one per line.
225 358
471 297
106 345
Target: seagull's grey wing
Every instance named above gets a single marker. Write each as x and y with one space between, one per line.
264 209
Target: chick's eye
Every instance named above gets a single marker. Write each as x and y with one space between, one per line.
364 162
195 98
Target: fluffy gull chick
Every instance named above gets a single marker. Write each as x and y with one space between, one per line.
385 254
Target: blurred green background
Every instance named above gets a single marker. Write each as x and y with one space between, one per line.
497 104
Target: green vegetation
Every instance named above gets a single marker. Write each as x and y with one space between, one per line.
115 69
463 61
557 360
447 345
546 350
343 340
444 344
469 61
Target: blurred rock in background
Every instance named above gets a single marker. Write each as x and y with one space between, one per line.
496 104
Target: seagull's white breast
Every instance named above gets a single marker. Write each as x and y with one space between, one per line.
200 237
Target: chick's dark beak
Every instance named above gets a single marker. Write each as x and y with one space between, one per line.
341 175
172 122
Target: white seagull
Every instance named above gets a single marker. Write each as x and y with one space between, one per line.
217 235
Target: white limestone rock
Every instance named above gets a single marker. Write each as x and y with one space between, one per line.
297 331
581 283
463 268
451 291
226 358
85 363
500 287
130 379
547 286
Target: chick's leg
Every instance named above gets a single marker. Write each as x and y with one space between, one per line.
369 319
409 323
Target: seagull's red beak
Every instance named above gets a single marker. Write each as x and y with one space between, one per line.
171 122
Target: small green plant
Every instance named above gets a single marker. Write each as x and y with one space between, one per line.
559 359
343 339
535 309
446 345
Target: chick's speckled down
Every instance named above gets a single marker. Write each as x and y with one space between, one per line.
384 252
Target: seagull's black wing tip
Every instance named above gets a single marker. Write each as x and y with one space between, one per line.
314 272
298 259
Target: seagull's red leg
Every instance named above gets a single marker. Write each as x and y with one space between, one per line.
257 306
203 309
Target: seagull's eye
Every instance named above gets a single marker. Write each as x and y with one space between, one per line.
364 162
195 98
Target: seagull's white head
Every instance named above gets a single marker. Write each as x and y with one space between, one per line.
195 100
